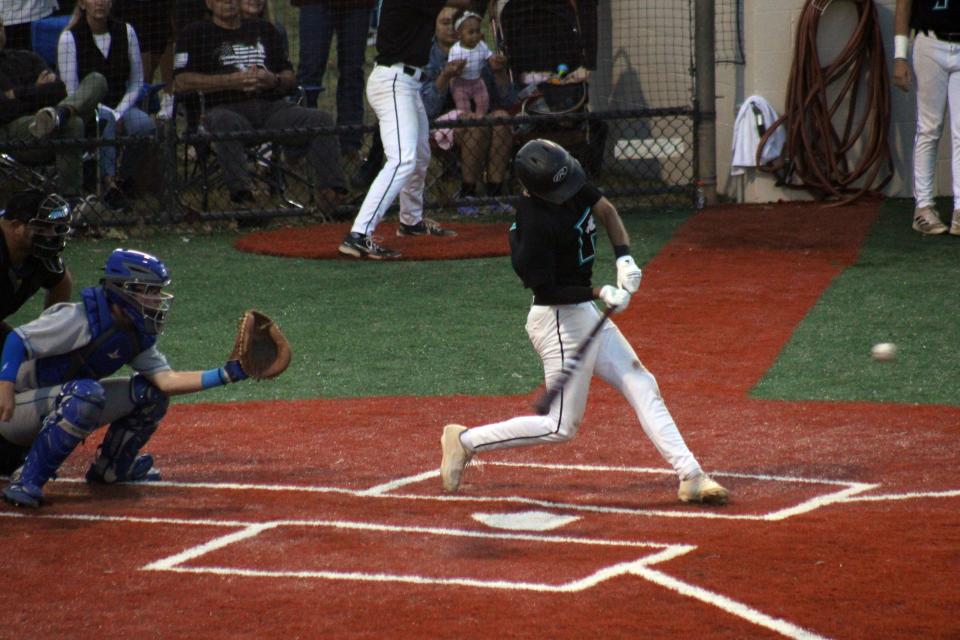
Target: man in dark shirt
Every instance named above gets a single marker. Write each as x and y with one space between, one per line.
553 248
404 38
34 105
33 231
240 68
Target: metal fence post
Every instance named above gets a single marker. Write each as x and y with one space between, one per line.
705 102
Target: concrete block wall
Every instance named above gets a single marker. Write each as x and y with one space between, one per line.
769 34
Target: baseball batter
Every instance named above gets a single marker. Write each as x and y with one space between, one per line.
404 37
936 63
54 384
553 248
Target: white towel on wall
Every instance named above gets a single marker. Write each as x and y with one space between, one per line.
754 117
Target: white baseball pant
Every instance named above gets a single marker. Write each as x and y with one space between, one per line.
556 332
936 65
405 131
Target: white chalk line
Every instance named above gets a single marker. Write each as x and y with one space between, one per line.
639 567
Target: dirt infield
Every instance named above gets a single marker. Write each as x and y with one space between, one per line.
320 242
325 518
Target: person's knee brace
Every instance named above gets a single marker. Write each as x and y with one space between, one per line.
79 406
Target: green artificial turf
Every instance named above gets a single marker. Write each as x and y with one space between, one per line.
358 328
905 289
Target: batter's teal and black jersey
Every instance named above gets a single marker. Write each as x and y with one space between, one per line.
942 16
552 247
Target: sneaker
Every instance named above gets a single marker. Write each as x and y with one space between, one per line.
45 122
468 209
955 223
927 222
20 494
358 245
142 470
425 227
455 457
502 208
702 488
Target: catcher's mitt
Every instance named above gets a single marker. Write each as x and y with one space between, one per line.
260 346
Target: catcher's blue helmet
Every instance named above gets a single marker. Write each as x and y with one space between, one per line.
135 281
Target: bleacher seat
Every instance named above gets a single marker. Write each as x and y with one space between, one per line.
46 33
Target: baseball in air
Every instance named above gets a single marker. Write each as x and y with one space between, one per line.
884 351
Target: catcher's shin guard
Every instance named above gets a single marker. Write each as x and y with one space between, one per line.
77 413
118 458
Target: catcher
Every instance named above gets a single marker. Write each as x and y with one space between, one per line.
54 384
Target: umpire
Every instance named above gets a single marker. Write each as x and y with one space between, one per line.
33 233
404 38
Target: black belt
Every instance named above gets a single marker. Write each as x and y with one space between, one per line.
945 36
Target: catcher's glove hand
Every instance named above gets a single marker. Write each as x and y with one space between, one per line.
260 347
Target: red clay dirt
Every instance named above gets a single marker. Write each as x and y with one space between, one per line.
323 547
321 241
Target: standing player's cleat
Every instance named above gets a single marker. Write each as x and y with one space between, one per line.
955 223
425 227
20 494
702 488
142 470
927 222
455 457
360 246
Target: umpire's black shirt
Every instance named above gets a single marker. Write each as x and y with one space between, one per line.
18 284
406 29
552 247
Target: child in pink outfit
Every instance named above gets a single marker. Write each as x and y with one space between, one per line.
469 86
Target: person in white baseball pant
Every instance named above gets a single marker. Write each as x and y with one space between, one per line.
404 38
552 246
936 63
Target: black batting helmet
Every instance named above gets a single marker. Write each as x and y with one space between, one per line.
548 171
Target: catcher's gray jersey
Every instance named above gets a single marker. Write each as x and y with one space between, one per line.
63 328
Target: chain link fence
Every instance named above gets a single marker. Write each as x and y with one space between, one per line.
612 81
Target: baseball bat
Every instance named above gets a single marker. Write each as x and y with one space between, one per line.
542 403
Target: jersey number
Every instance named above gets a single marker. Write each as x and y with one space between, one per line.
941 5
588 237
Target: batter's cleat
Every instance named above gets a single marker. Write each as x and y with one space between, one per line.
955 224
455 457
20 494
702 488
927 222
425 227
358 245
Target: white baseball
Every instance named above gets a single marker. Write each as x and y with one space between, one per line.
884 351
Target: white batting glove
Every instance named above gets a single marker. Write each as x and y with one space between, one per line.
615 297
628 274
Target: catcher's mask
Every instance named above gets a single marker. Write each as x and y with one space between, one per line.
547 170
47 216
135 281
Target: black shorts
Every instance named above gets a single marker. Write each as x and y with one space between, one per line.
152 20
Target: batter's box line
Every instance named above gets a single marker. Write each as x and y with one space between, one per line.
384 491
847 490
641 567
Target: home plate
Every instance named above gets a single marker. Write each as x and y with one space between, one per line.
525 520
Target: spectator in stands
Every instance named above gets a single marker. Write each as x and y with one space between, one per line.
349 20
93 41
34 105
259 9
240 68
152 20
484 152
17 16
